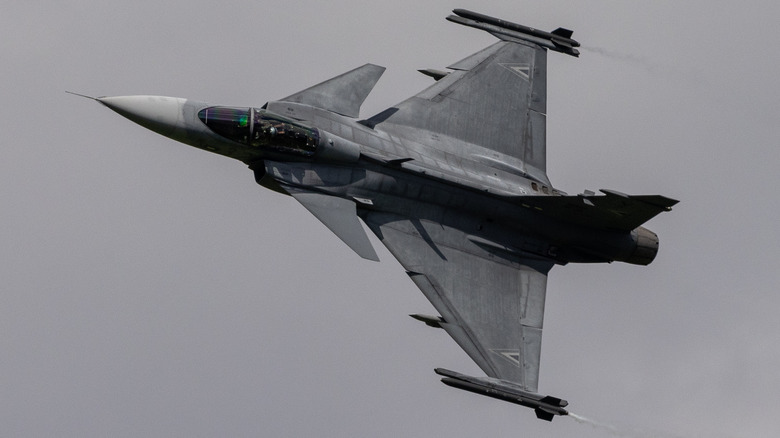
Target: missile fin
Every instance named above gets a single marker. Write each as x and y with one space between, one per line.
543 415
563 32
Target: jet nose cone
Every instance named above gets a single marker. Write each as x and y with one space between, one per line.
163 115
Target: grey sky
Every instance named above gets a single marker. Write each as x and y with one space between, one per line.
151 289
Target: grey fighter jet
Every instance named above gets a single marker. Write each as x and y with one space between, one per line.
452 181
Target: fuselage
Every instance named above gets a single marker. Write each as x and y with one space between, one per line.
390 170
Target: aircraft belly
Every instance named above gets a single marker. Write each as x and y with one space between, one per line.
498 225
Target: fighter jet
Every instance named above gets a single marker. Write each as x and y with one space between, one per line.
452 181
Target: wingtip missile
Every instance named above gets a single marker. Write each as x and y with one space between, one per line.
545 407
558 40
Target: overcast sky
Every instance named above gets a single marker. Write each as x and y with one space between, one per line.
151 289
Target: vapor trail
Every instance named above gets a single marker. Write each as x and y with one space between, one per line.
694 79
639 61
595 424
620 432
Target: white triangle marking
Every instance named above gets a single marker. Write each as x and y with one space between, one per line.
522 70
510 355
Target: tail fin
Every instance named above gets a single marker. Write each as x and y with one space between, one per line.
613 210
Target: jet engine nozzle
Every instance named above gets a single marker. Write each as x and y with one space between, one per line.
646 247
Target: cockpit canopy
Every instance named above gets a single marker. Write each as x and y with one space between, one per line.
257 128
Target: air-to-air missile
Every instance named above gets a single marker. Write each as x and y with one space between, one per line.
558 40
545 407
